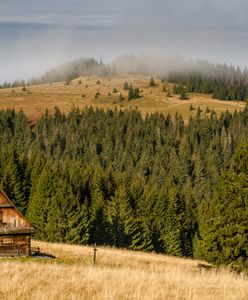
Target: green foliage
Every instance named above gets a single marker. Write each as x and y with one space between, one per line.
177 89
40 202
207 111
152 82
222 81
133 93
191 108
121 97
144 183
183 95
125 86
97 94
223 231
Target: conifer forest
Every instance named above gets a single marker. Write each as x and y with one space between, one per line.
116 178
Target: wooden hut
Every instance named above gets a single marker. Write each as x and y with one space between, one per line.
15 230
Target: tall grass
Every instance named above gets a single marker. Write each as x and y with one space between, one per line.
66 96
118 274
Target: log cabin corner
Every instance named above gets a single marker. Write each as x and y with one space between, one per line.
15 230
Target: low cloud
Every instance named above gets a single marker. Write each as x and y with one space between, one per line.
59 19
37 35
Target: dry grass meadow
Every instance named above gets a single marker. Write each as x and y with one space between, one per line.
34 101
118 274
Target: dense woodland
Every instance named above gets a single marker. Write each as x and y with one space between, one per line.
222 81
115 178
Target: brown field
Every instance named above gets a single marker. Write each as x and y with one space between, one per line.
154 99
118 274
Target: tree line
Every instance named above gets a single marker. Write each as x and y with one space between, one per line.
143 183
222 81
65 72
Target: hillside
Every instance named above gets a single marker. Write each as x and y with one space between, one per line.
118 274
81 93
117 179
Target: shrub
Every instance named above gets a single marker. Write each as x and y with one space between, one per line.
97 94
152 82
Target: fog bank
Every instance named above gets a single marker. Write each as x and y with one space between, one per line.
38 35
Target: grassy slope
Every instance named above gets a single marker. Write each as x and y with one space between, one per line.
119 274
153 100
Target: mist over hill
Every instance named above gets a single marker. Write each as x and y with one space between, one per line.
146 64
223 81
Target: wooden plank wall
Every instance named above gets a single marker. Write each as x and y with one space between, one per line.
14 245
12 218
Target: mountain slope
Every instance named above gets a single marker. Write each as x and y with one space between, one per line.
82 92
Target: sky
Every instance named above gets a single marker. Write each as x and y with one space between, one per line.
36 35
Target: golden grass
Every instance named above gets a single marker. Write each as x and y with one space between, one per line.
119 274
66 96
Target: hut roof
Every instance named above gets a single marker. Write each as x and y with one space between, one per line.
5 202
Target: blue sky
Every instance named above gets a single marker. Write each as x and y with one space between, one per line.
35 34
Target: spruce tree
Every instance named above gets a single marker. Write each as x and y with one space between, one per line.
40 202
183 95
130 92
119 216
152 82
125 86
223 230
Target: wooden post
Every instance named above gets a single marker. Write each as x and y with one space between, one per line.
94 254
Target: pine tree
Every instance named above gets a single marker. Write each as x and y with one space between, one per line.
63 213
183 95
171 234
130 92
12 184
133 93
136 94
177 89
97 94
121 98
191 108
39 204
152 82
119 216
100 232
125 86
223 231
